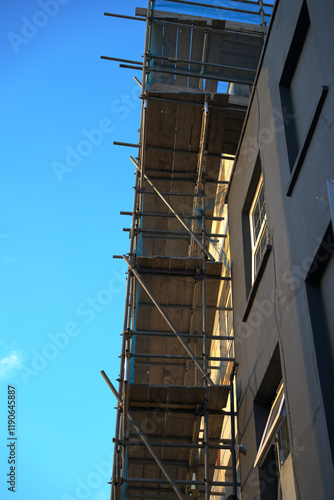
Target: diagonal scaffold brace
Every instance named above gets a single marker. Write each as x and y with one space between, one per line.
168 321
179 218
144 439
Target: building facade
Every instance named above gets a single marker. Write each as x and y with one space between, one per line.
281 237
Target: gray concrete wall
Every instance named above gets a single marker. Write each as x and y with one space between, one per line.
297 224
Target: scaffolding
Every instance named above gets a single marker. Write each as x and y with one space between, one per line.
175 430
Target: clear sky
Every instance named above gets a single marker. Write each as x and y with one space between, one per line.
62 186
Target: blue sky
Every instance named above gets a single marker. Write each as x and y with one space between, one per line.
62 186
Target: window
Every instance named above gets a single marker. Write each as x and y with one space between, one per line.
320 289
302 94
255 237
274 450
258 228
272 430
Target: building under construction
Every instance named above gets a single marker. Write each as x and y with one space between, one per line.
210 406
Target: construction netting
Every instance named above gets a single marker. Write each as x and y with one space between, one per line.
204 48
247 12
150 231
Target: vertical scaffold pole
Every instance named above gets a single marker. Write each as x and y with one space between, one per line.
143 96
123 368
234 459
146 48
201 179
263 22
143 437
204 131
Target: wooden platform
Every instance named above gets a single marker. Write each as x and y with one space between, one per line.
171 417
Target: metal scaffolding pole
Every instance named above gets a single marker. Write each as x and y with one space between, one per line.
182 195
193 321
208 6
145 440
164 233
133 18
176 356
121 388
195 446
175 60
207 76
167 363
184 335
187 217
125 365
180 151
201 174
117 59
190 103
146 46
200 177
177 481
180 464
234 460
179 218
207 28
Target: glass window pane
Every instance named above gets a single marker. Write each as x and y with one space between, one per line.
258 227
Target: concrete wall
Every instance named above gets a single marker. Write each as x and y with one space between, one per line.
280 315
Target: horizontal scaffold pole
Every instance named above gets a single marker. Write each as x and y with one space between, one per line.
168 321
128 66
167 193
184 335
121 16
155 214
178 445
171 363
186 306
183 464
145 440
186 179
179 218
178 151
179 439
117 59
180 410
190 103
209 28
176 356
193 74
179 273
165 232
177 481
219 7
175 60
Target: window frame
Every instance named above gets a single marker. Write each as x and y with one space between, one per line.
320 333
276 415
255 245
297 148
